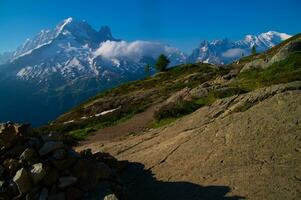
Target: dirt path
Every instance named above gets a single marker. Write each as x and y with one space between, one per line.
136 124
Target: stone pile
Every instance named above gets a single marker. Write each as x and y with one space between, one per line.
40 167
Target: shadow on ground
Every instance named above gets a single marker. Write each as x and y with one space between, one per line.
141 184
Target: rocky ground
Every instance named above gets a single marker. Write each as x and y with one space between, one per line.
42 167
245 146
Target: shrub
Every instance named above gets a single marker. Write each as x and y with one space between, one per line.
175 110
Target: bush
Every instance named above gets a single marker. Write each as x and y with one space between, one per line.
175 110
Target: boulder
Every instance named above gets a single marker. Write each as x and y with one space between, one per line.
59 154
66 181
50 146
58 196
43 194
37 167
1 170
11 166
73 193
23 181
15 151
37 172
28 155
51 176
64 163
90 172
110 197
8 135
1 184
291 47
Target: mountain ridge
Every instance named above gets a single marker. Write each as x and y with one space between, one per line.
226 51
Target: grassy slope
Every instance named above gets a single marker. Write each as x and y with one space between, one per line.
133 97
162 85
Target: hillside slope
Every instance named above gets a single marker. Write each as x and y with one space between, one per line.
255 152
206 132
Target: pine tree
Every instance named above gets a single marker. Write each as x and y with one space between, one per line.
147 69
254 50
162 63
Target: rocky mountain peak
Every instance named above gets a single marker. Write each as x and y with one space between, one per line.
105 31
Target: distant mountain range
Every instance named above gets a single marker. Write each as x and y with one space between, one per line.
226 51
59 68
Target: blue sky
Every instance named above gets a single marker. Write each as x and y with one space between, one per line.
182 23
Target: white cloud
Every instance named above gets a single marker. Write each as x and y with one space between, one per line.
134 50
234 53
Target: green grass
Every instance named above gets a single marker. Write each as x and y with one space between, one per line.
284 71
164 84
81 134
206 101
176 110
179 109
162 122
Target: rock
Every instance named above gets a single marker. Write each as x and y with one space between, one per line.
35 143
89 172
49 147
16 151
103 171
1 184
12 189
59 196
1 170
22 129
11 166
50 177
37 172
59 154
28 155
22 179
74 193
64 163
254 64
110 197
30 196
284 52
86 152
197 92
66 181
8 135
4 196
32 168
178 96
43 194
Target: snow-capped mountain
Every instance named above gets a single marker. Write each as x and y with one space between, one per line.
74 49
68 64
226 51
61 67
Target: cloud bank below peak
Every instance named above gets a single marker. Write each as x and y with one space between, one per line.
134 50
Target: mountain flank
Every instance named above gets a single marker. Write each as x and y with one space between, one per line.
208 132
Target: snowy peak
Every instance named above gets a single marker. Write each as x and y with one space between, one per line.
226 51
68 31
272 35
74 50
268 39
60 27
